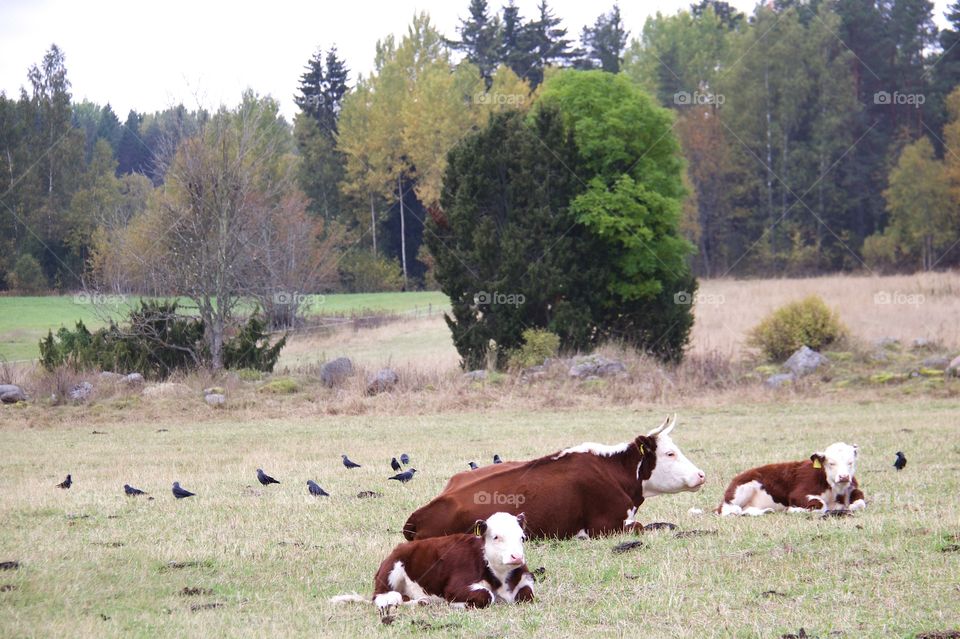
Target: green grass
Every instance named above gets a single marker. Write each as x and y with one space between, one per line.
94 563
25 320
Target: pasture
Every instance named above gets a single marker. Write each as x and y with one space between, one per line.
243 560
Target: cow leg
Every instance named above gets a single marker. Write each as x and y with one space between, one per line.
805 503
857 500
475 595
524 595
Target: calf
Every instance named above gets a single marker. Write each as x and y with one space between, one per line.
824 482
475 569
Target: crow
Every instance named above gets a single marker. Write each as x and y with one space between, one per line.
180 493
405 476
473 466
316 490
404 459
497 460
899 463
264 478
395 465
131 491
66 483
348 463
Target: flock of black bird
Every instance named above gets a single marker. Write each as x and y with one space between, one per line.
402 476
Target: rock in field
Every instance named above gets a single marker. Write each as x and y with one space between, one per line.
475 376
938 362
11 394
384 380
335 371
778 380
598 365
215 399
804 361
81 392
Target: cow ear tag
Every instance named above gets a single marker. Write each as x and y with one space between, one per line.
642 452
476 530
817 464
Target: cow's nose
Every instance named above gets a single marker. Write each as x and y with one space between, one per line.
701 477
516 559
843 478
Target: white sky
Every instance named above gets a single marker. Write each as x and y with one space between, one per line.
151 55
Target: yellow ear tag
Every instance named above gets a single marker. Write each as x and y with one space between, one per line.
817 464
476 530
641 450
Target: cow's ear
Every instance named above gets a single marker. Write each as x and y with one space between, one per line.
856 449
817 459
479 528
522 520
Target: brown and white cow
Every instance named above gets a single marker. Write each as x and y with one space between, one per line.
475 570
824 482
588 490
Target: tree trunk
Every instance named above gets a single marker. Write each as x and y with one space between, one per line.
403 232
373 225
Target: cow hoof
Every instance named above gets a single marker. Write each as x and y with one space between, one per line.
386 619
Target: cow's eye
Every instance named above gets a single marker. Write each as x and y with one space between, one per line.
496 537
671 454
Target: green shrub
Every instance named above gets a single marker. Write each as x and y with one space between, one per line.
809 322
537 346
156 341
364 273
27 275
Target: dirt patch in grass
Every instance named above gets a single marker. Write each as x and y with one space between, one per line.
627 546
8 587
206 606
187 591
9 565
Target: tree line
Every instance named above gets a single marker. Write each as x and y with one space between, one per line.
817 136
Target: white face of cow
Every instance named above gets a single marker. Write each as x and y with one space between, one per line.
673 472
839 463
503 539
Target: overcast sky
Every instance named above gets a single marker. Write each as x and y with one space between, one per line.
149 56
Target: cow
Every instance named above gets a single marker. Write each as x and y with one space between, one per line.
469 570
584 491
824 482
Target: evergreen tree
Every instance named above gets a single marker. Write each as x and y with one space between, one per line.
604 42
133 156
480 40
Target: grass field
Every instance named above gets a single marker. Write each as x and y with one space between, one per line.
25 320
94 563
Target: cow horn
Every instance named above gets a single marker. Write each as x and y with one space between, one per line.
656 431
673 422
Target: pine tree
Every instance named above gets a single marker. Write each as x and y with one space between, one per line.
132 154
604 42
480 40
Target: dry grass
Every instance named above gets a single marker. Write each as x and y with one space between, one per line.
95 563
925 305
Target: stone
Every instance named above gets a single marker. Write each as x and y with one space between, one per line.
215 399
475 376
335 371
584 367
81 392
133 379
384 380
887 342
110 376
11 394
920 342
938 362
804 361
778 380
954 368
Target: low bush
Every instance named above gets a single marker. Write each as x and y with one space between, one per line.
808 322
537 346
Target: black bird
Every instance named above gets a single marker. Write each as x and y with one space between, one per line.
348 463
264 478
131 491
316 490
395 465
899 464
66 483
405 476
497 460
404 459
473 466
180 493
